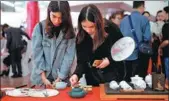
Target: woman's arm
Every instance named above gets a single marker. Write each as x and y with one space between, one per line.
25 34
82 58
67 60
38 54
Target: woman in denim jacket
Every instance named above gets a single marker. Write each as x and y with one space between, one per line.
53 46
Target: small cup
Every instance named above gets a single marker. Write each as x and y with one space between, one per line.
125 86
113 85
60 85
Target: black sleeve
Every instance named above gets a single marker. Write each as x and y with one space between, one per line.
81 60
25 34
165 32
9 39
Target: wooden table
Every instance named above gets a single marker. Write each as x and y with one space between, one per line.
116 97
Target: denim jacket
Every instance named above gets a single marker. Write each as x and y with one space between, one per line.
54 56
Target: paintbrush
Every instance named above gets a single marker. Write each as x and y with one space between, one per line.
21 86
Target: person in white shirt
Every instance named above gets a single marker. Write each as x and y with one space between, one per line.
156 30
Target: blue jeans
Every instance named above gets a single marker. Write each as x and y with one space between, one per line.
166 63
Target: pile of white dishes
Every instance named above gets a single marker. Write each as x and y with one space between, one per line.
137 81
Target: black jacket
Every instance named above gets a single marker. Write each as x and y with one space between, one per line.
85 58
14 38
165 34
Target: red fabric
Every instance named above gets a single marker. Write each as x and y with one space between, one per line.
149 71
32 16
62 96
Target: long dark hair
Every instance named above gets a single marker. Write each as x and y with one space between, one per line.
66 25
91 13
145 13
160 11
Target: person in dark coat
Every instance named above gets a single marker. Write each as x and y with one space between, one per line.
164 46
14 46
94 43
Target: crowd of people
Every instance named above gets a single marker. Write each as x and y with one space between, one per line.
55 45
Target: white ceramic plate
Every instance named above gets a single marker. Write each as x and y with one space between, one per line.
17 93
24 92
122 48
43 93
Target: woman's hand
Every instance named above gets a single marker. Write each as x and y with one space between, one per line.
45 80
54 82
160 52
73 80
47 83
104 63
58 80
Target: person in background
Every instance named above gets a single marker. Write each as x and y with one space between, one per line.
4 27
14 46
160 16
164 46
91 34
157 26
156 30
4 55
116 17
7 61
147 14
53 45
136 63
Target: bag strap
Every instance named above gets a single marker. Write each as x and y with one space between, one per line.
133 31
40 26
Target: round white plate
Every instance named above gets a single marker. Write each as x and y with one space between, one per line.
17 93
24 92
43 93
122 48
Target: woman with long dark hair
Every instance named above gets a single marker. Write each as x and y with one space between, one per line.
94 43
157 35
53 45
